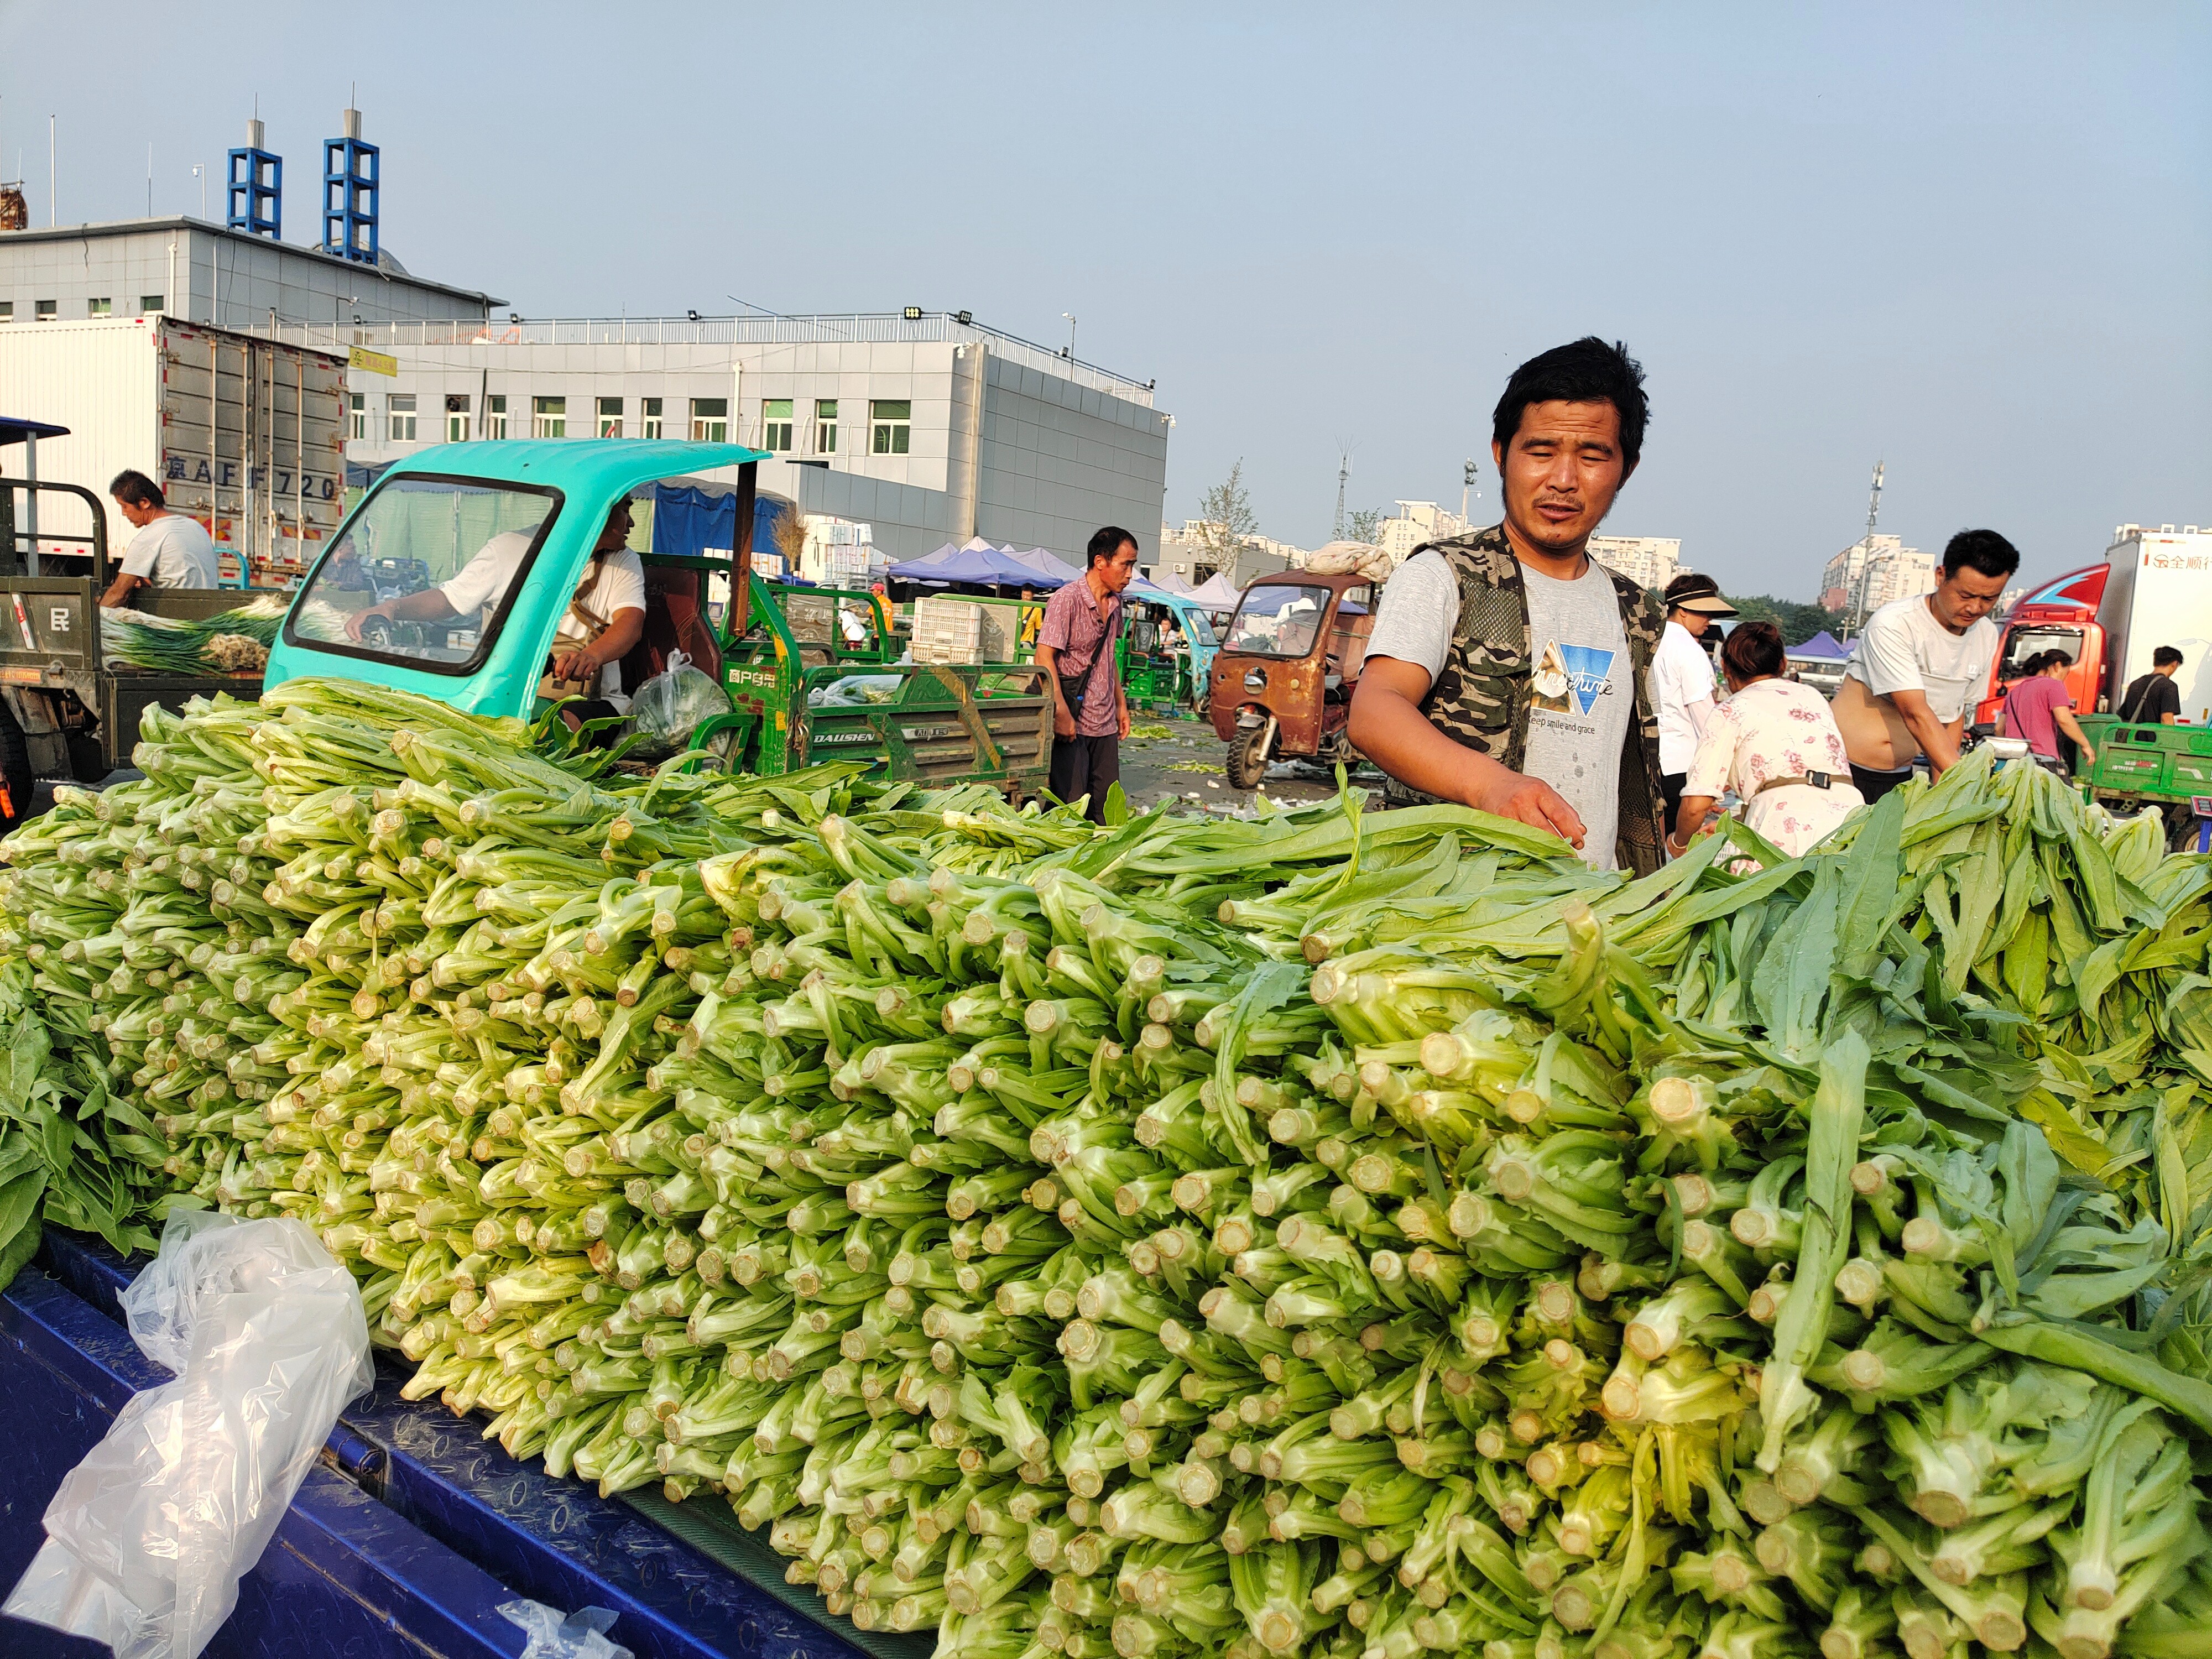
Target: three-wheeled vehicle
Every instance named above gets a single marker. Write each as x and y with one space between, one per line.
793 703
1281 686
67 709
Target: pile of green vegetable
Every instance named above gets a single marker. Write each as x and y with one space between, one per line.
1317 1234
233 642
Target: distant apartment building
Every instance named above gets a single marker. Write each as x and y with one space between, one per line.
1648 561
1874 571
1414 523
1191 553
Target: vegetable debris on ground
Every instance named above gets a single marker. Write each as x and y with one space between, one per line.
1318 1233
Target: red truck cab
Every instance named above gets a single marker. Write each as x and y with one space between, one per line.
2061 615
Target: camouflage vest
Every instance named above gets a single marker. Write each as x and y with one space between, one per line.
1481 698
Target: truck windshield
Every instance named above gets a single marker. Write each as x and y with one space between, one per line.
1277 620
424 574
2021 643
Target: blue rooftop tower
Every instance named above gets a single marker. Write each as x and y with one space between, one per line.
256 187
350 193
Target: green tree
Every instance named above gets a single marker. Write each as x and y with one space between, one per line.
1798 622
1227 523
1361 526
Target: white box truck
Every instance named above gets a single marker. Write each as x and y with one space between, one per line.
246 434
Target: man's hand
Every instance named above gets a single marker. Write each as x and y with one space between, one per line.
1122 721
1063 723
579 665
1529 800
354 622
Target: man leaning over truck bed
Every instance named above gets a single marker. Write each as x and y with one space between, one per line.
169 550
1916 668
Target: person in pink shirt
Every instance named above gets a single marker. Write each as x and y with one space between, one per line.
2039 708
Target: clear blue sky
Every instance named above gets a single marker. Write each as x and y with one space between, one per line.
1975 242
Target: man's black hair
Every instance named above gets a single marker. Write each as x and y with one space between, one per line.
2163 655
1106 543
1983 550
134 488
1587 372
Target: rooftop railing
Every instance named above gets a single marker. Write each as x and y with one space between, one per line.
865 328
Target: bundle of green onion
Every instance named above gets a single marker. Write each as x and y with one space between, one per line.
1322 1234
233 642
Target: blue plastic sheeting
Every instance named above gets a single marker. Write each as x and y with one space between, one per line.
554 1541
1824 646
345 1573
688 521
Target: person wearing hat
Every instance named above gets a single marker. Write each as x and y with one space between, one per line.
1682 678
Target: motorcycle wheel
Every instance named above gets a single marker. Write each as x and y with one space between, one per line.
1248 757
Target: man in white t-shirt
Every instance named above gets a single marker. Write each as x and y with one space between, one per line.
1682 678
602 622
1918 665
169 550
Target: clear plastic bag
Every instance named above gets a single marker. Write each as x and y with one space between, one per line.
581 1634
669 707
148 1536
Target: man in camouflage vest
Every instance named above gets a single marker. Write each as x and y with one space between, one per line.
1507 669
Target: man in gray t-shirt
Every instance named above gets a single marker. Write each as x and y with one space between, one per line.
1507 669
1579 700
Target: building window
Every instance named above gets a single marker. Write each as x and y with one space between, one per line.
710 420
457 418
648 417
401 405
776 425
357 403
890 423
825 426
495 414
548 418
150 303
44 310
7 311
102 308
611 417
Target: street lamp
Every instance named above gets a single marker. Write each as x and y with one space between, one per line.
1068 316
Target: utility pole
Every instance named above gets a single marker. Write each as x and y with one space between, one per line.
1857 612
1343 475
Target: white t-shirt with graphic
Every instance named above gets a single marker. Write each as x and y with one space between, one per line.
1582 695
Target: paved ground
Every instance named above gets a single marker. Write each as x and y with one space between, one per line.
1183 758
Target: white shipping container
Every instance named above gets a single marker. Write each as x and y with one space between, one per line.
246 435
2160 592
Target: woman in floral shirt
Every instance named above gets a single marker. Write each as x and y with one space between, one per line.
1776 744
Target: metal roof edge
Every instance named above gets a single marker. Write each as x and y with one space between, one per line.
106 228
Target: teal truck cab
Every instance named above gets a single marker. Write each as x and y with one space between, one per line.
797 694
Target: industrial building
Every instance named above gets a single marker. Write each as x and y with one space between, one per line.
926 426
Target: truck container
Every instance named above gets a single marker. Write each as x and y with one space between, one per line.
246 434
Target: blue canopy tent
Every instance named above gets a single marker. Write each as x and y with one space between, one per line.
974 567
1822 646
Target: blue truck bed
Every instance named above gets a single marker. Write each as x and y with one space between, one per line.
403 1542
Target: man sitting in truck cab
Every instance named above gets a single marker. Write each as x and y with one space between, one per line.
169 550
605 619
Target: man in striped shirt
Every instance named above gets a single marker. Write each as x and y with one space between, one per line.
1075 647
